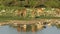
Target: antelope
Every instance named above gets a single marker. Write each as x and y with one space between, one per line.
24 12
33 13
39 11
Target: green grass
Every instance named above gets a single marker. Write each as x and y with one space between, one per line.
47 17
7 18
11 17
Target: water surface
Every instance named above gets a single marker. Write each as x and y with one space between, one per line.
17 30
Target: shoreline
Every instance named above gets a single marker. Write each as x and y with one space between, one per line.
31 21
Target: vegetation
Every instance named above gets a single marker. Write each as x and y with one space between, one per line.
30 3
17 9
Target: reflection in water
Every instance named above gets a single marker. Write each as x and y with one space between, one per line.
18 28
27 28
24 28
33 28
58 26
30 29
